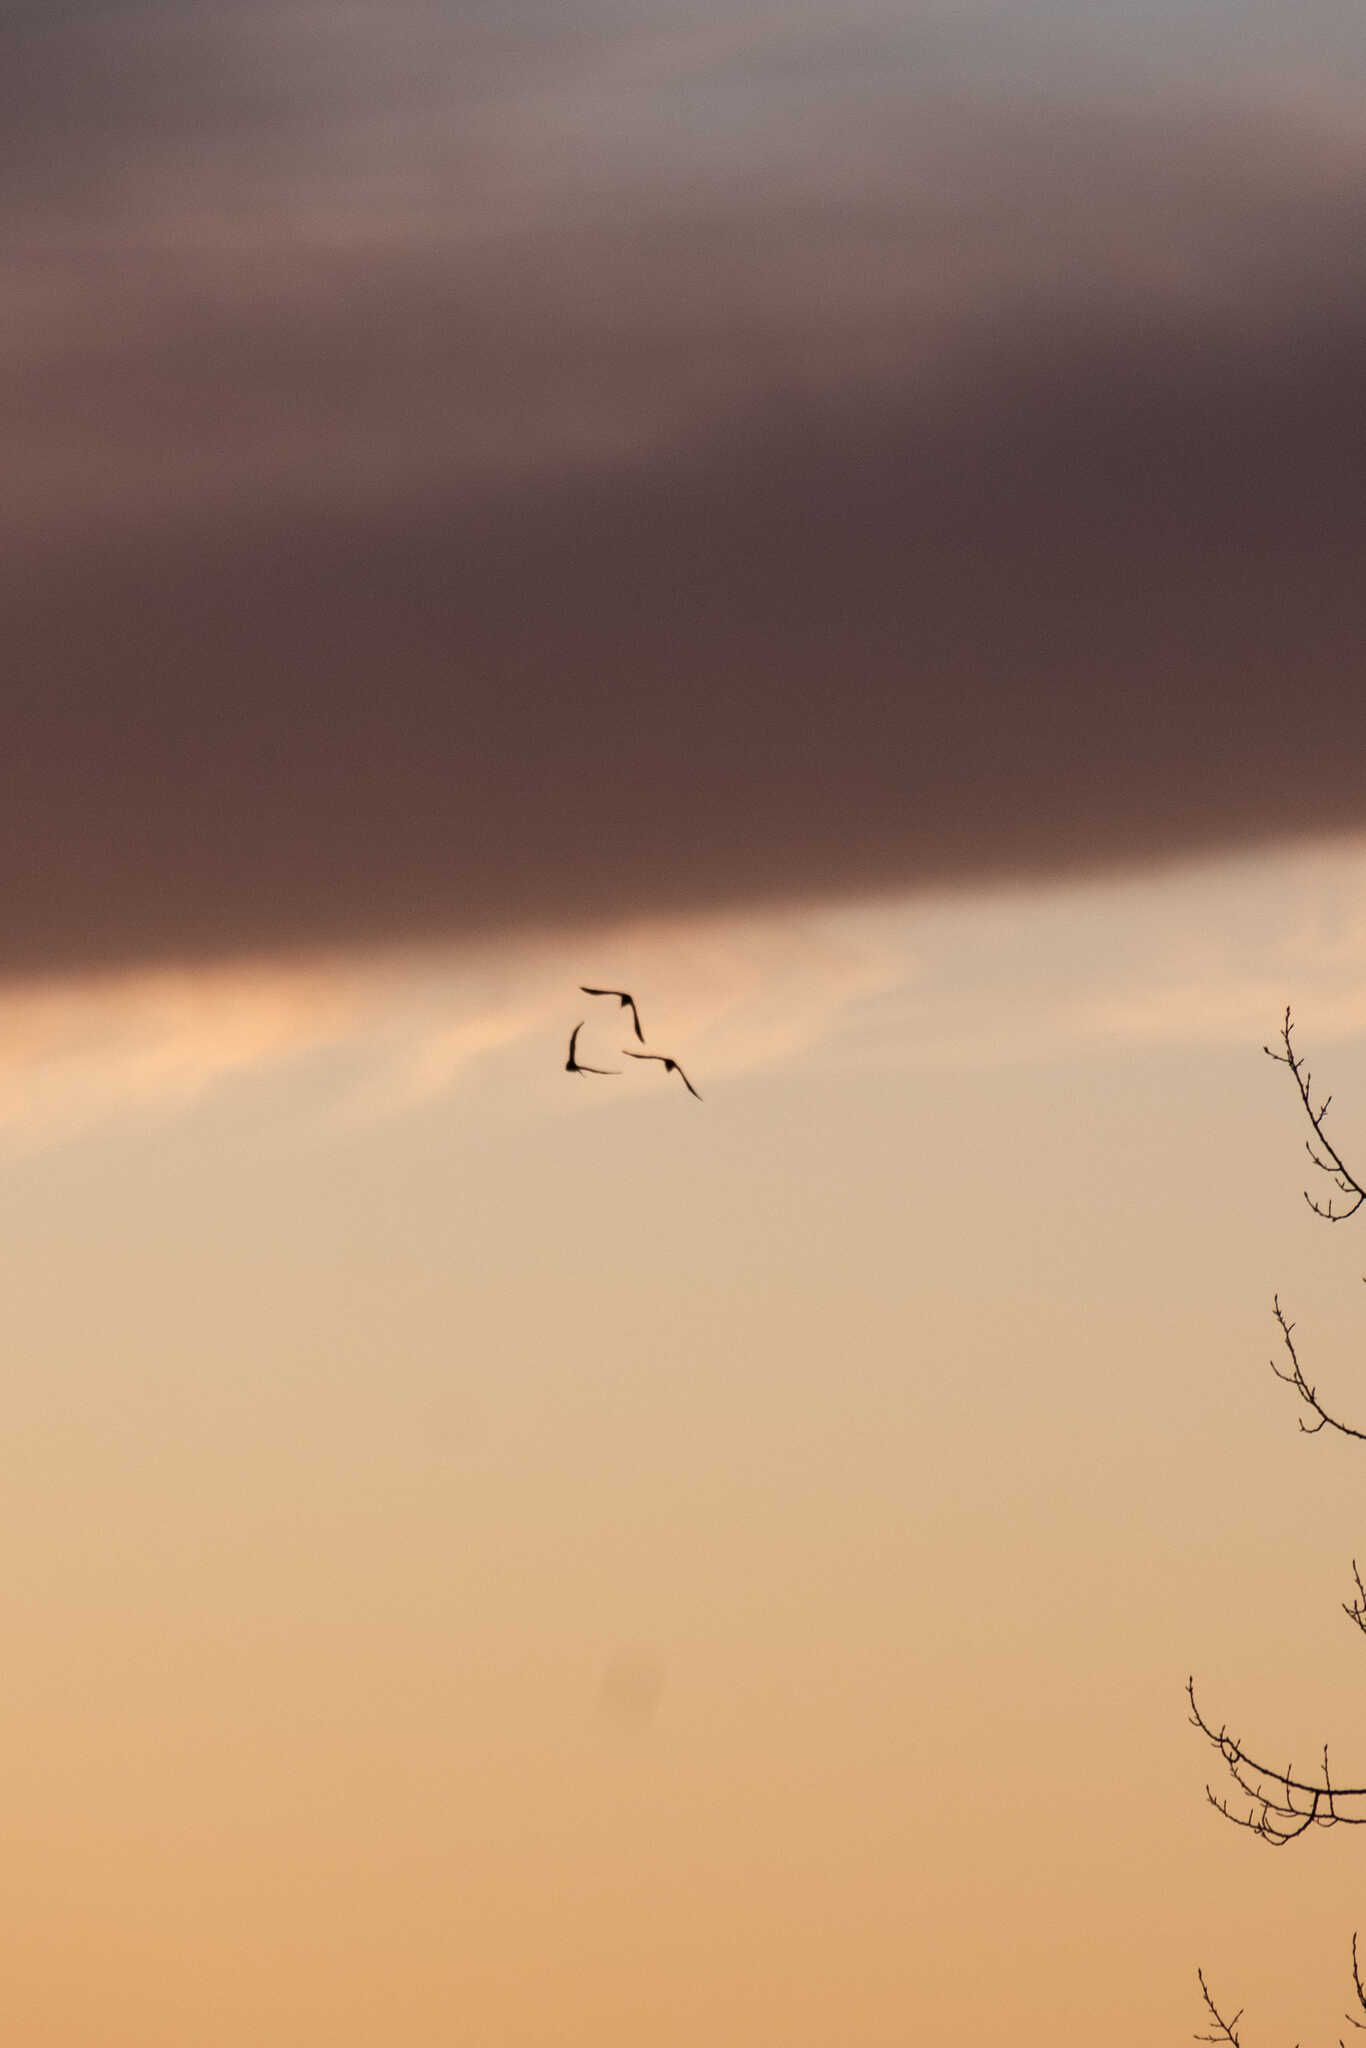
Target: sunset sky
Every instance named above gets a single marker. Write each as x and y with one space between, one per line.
848 523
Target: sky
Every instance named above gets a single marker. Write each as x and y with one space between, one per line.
845 523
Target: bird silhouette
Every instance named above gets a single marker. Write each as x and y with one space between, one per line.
572 1065
669 1066
627 1003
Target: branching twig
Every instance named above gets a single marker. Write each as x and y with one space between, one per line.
1227 2029
1281 1807
1360 1989
1320 1147
1329 1160
1294 1377
1355 1610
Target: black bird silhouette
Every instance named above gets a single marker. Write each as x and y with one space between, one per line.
669 1066
627 1003
572 1066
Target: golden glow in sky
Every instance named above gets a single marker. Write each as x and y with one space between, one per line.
500 1557
845 522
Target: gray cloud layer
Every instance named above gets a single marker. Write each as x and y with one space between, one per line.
471 466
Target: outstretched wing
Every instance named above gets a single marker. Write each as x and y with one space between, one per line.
670 1066
630 1003
573 1040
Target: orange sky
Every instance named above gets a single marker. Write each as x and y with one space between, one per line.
846 521
504 1558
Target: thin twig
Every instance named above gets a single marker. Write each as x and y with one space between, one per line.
1333 1164
1355 1610
1295 1378
1228 2029
1360 1989
1281 1806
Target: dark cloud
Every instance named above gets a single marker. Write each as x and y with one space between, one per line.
467 473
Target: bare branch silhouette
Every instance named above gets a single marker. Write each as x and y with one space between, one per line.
1355 1610
1226 2030
1320 1147
1359 1988
1280 1806
1294 1377
1329 1160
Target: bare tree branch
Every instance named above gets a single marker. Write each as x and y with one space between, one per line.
1355 1610
1320 1147
1226 2030
1280 1806
1360 1989
1294 1377
1328 1160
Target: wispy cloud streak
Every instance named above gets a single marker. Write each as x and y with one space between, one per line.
994 979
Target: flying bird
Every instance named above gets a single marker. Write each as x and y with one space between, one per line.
572 1066
669 1066
627 1003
